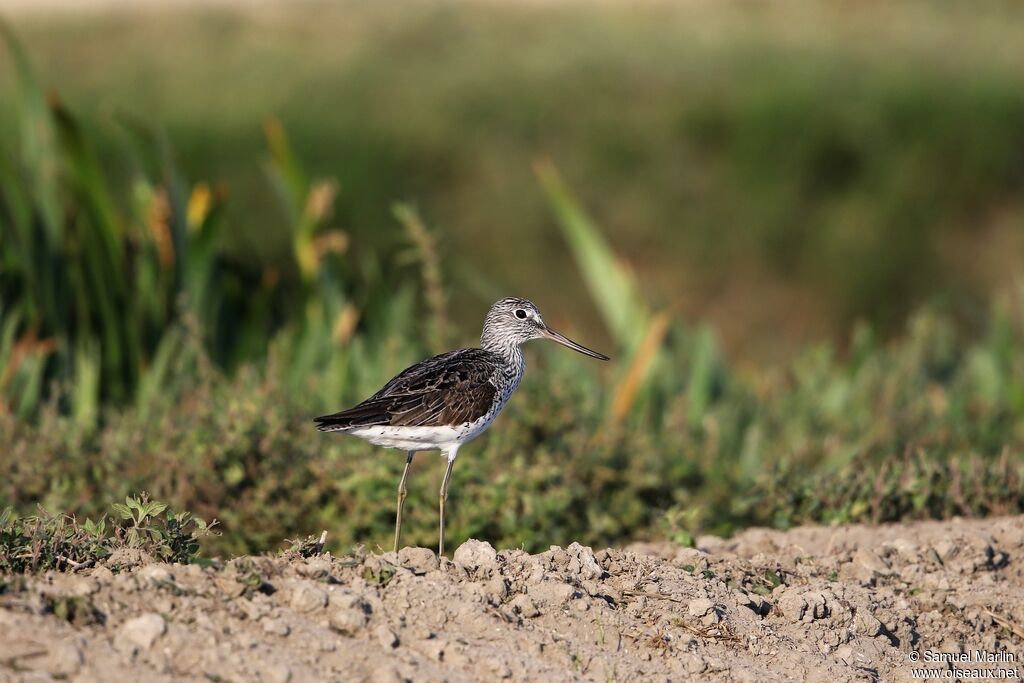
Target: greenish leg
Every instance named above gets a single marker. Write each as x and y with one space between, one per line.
401 499
444 497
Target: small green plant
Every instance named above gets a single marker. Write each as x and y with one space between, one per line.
45 541
307 547
379 575
173 537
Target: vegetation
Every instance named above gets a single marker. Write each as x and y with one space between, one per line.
141 349
779 171
46 541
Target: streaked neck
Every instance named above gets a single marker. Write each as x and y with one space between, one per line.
503 346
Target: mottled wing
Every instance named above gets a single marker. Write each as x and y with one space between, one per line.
450 389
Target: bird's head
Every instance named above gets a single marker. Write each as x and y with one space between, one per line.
513 321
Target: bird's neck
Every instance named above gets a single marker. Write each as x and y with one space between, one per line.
509 350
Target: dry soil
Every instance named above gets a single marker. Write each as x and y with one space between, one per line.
811 604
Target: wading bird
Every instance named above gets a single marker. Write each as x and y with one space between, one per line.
445 401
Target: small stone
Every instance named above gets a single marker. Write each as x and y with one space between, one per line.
817 605
418 560
386 673
314 568
276 627
140 633
347 620
81 586
866 624
496 589
434 648
499 670
476 555
277 672
101 573
535 570
854 571
583 563
349 613
559 557
792 605
386 637
128 558
307 597
806 607
705 610
693 664
229 585
62 660
553 593
700 607
524 606
155 574
871 561
944 549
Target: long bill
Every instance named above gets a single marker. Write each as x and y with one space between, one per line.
565 341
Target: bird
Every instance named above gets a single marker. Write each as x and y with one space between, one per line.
443 402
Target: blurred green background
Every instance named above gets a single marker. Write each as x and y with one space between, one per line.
797 226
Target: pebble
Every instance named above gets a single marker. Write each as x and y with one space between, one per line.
553 593
700 607
693 664
155 574
476 555
140 633
704 609
418 560
496 589
62 660
386 637
433 648
866 624
276 627
349 613
307 597
314 568
583 563
278 672
347 620
806 607
101 573
386 673
525 606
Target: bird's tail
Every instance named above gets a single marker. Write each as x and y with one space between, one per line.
332 423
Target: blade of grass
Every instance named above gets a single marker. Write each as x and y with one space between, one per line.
611 285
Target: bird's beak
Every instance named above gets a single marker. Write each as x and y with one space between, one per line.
549 333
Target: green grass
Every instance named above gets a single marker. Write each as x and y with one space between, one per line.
779 170
177 303
925 427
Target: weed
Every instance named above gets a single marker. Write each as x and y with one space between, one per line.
45 541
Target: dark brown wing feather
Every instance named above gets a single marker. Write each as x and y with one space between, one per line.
450 389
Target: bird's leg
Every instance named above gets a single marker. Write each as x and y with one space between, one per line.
444 497
401 499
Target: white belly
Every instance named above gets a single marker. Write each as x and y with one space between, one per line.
423 438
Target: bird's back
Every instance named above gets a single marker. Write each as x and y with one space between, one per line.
454 388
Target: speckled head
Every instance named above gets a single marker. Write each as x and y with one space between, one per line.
514 321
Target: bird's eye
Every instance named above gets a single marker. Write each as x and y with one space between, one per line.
521 314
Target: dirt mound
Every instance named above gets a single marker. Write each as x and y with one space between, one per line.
815 604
